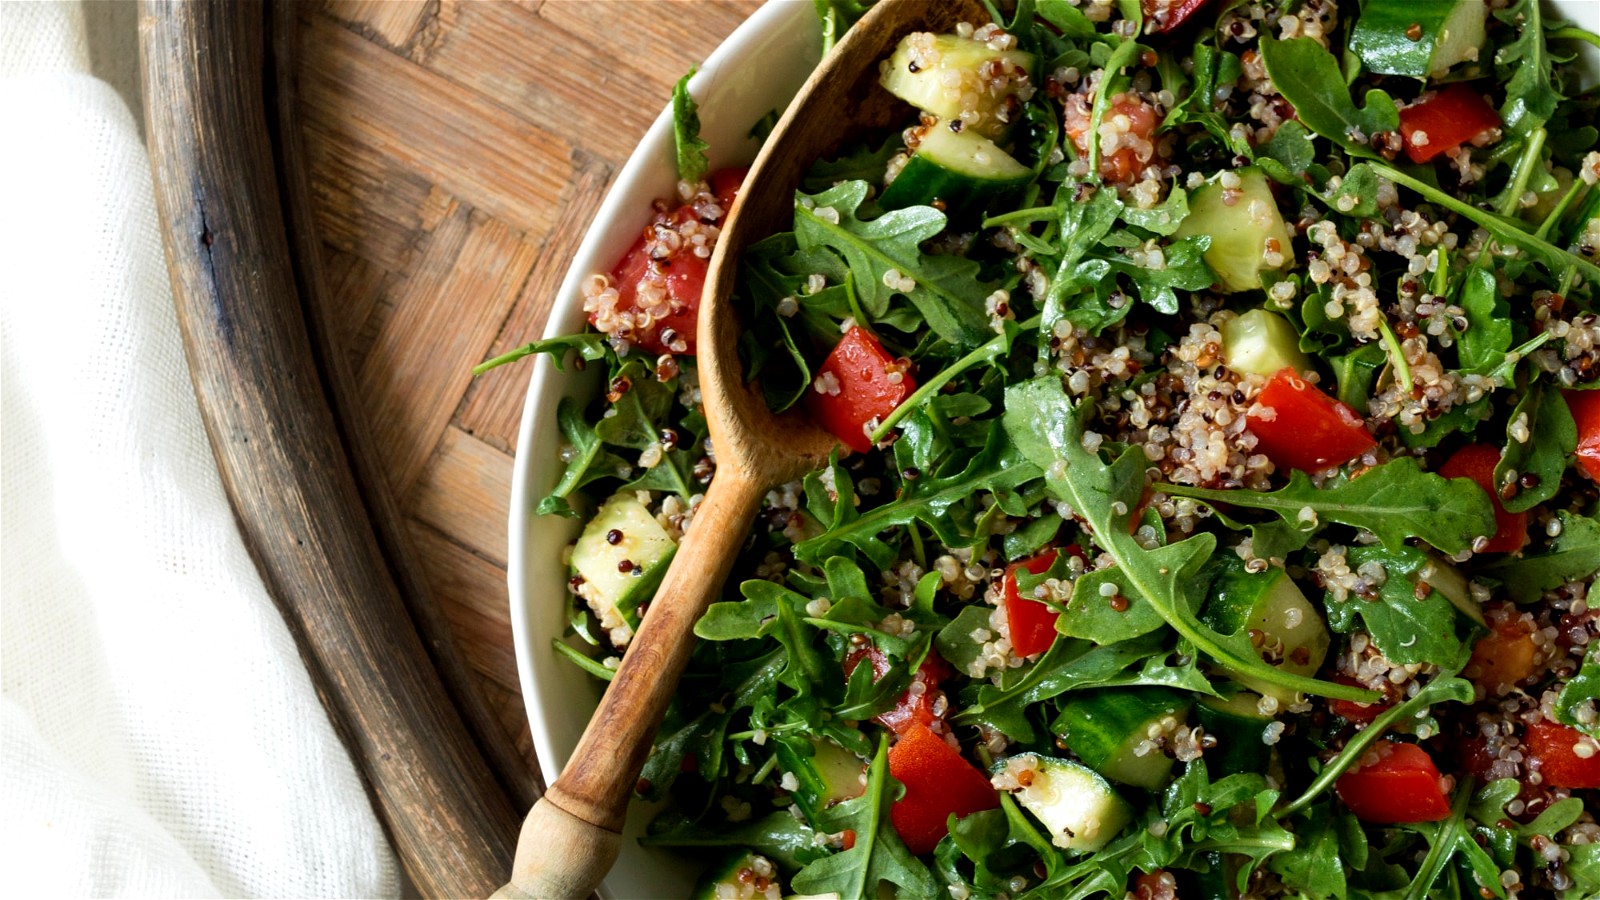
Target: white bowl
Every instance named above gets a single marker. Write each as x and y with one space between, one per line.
757 69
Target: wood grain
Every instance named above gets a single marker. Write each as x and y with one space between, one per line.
409 209
383 193
281 454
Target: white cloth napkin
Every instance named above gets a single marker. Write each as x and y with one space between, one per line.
159 735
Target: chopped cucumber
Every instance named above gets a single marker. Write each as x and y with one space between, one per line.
960 171
620 557
1237 723
1285 628
1448 580
1107 728
1262 343
954 77
1077 806
824 773
723 879
1244 224
1419 38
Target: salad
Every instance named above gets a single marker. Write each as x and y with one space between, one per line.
1217 387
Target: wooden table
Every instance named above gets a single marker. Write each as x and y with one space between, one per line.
456 152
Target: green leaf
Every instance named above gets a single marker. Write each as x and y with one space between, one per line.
1574 555
589 345
878 855
1395 501
947 291
1308 77
1315 868
778 836
1163 218
1356 372
1531 95
944 503
692 161
1184 268
587 463
1288 154
864 163
1049 431
1582 691
1551 437
1408 629
1484 343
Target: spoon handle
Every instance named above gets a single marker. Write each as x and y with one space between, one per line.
573 833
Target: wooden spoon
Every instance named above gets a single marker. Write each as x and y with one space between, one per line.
573 833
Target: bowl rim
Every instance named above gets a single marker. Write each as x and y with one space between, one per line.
649 172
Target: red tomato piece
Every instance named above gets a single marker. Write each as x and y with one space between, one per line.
1557 752
681 277
939 783
1585 406
1032 624
916 705
1168 15
1477 462
725 184
1300 427
1402 786
1124 165
1353 711
1439 123
858 383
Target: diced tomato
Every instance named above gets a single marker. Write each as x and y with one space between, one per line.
1477 462
1168 15
858 383
1558 753
1032 624
939 783
1300 427
1585 406
1439 123
1157 885
1504 656
725 184
1402 786
1126 163
681 276
1354 711
916 705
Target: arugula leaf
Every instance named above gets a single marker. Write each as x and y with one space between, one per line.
704 734
692 161
947 291
1574 554
590 346
865 163
1484 343
931 499
1288 154
1395 501
1525 64
1049 431
1315 868
589 460
1184 267
1307 75
1071 665
1000 842
878 855
1408 629
778 836
1583 688
1163 218
1551 437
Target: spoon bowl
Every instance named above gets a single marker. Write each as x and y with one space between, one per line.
572 835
